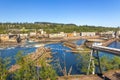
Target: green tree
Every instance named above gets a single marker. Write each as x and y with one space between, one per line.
83 61
116 62
47 72
29 70
3 68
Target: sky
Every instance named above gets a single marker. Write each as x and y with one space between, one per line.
80 12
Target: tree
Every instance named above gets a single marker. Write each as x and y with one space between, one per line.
47 72
30 71
83 61
116 62
3 68
106 63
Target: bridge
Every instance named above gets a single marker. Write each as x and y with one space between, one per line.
97 48
113 51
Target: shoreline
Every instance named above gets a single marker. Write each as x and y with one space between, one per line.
49 41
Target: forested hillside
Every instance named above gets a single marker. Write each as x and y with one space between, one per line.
54 27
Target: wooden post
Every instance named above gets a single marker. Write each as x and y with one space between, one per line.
91 61
93 66
100 70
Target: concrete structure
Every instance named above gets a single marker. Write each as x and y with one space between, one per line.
4 37
32 34
108 34
57 35
74 33
77 34
113 51
23 35
87 34
117 34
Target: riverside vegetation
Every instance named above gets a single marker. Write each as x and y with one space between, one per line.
107 63
29 70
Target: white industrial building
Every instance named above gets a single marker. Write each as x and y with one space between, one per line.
57 35
87 34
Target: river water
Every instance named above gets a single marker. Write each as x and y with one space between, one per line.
12 51
112 45
61 58
66 59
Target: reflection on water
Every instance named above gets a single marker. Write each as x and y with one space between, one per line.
115 45
12 51
79 42
59 54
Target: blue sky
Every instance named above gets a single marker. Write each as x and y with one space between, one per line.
80 12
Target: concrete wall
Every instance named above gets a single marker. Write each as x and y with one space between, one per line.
108 34
87 34
56 35
32 33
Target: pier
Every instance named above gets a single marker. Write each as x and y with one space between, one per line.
97 48
104 42
113 51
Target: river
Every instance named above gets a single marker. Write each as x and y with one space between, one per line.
60 56
66 59
112 45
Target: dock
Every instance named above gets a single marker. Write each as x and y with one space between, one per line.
113 51
104 43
